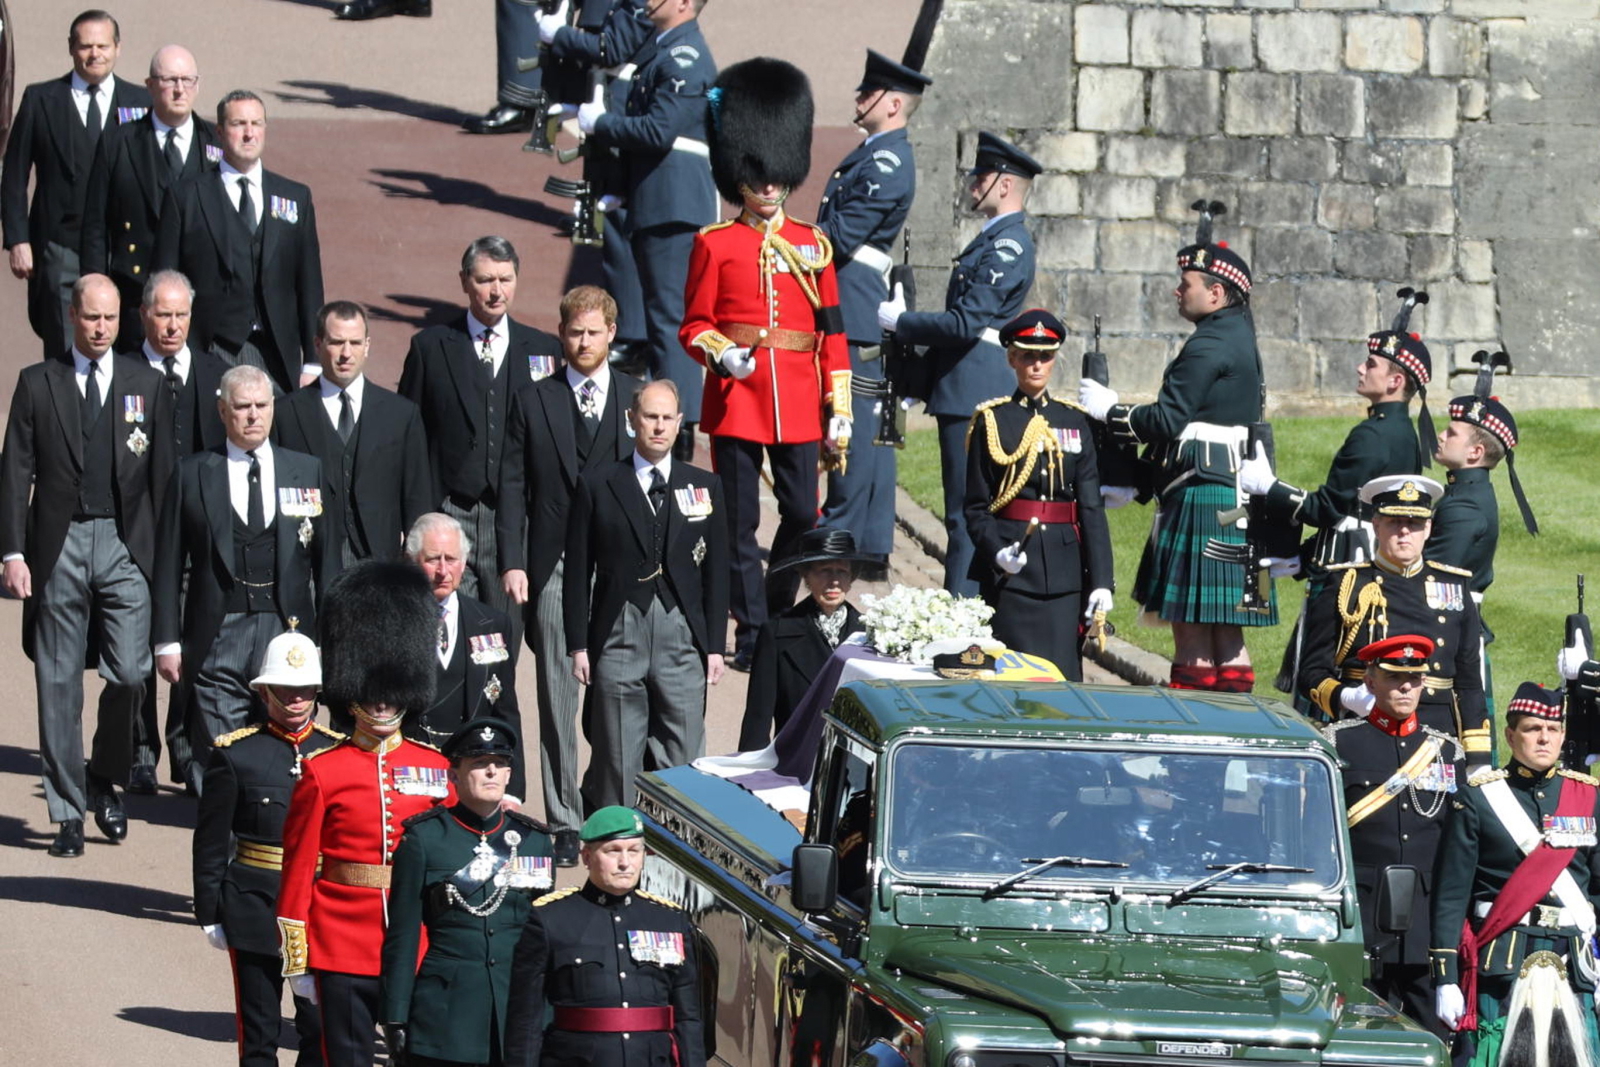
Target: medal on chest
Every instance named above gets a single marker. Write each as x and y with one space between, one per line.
656 946
421 781
1569 831
1444 596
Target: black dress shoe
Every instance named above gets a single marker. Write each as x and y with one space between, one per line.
741 662
502 118
359 10
69 839
107 808
566 848
142 780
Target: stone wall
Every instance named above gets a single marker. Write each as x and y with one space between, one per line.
1449 145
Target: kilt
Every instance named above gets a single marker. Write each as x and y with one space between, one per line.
1178 584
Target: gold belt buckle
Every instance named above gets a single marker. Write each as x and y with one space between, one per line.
1548 915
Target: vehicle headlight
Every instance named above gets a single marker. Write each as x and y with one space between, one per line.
963 1059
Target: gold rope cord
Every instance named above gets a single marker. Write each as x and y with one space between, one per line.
1037 437
1370 601
774 246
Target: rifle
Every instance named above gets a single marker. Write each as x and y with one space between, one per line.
1262 539
1118 460
902 365
587 221
542 133
1583 732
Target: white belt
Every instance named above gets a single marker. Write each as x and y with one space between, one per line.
991 335
624 73
1550 916
873 259
691 146
1211 433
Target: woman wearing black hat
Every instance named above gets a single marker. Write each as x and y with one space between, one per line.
1033 510
792 647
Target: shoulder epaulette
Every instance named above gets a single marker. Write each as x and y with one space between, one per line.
436 812
1579 776
330 732
654 899
1448 569
1483 778
324 751
557 895
987 404
528 820
1448 739
424 744
1064 402
1352 566
724 224
238 735
1332 728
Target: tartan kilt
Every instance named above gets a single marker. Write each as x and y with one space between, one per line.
1176 583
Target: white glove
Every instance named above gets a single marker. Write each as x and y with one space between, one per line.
1099 600
1117 496
549 24
304 985
588 114
740 363
1570 660
1255 473
838 432
1096 399
1011 558
608 202
1357 700
214 934
1449 1006
1282 566
890 310
565 112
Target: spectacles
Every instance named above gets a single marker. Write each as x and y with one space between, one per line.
175 81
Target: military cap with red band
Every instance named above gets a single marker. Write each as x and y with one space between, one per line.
1403 653
1035 329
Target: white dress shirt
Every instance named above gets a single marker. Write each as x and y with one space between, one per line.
239 481
499 343
452 626
180 362
230 185
330 398
185 137
602 386
80 98
642 468
81 365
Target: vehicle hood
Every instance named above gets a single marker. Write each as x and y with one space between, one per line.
1138 989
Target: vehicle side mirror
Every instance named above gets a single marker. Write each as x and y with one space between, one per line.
814 884
1397 891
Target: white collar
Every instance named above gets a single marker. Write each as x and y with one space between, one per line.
640 465
80 362
449 606
228 170
180 357
81 86
356 388
185 128
239 455
601 379
1003 215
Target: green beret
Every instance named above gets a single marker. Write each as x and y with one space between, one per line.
609 824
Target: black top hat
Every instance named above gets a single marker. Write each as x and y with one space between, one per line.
758 126
1035 329
823 545
1213 257
380 637
1534 699
482 737
884 73
999 156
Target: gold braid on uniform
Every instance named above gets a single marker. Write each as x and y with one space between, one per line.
1371 601
804 271
1037 437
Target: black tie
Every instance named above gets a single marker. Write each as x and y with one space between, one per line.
171 154
169 367
91 397
94 120
247 207
658 490
347 417
257 517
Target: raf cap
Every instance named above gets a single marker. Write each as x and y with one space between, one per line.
1035 329
1404 495
481 737
1534 699
610 824
996 155
1403 654
884 73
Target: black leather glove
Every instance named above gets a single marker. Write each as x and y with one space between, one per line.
398 1037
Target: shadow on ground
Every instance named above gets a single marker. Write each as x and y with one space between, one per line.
463 192
205 1025
114 898
350 98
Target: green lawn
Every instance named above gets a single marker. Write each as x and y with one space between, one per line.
1534 576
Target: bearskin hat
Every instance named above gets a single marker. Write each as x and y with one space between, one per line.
758 126
380 630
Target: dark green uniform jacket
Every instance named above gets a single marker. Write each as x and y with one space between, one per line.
455 1002
1466 526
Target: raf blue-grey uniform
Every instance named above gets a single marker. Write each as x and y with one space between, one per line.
516 36
670 194
864 206
967 366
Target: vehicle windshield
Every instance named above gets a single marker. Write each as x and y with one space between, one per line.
986 811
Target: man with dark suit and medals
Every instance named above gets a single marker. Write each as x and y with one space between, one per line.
1399 592
561 428
348 810
243 549
467 874
610 1000
1516 881
1033 505
1398 776
238 845
1197 431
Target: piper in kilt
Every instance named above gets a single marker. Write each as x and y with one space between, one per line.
1030 456
1195 431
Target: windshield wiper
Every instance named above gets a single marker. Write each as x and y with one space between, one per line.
1044 865
1224 871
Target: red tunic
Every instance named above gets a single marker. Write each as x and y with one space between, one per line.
783 401
348 807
